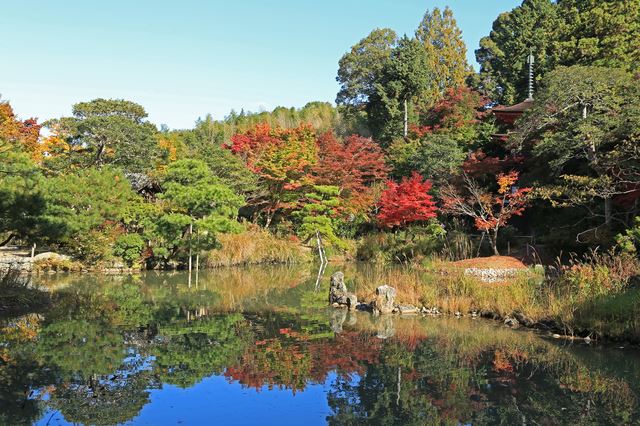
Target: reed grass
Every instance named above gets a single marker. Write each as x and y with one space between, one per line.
256 246
593 295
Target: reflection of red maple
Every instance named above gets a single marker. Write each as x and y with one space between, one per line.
293 364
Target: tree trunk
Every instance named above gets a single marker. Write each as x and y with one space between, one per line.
270 213
197 266
8 240
607 211
494 242
406 119
269 217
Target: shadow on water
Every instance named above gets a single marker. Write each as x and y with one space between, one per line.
149 349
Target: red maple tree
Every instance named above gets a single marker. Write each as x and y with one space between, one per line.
479 164
490 212
354 165
283 160
458 111
406 202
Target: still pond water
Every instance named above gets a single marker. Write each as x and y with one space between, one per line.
258 346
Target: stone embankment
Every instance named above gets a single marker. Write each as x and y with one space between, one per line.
491 275
27 263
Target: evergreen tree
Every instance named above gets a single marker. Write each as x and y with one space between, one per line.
105 132
529 28
199 207
602 33
585 125
446 53
360 68
405 76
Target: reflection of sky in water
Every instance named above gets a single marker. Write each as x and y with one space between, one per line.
216 401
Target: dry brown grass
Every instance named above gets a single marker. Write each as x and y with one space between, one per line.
256 246
501 262
592 293
450 292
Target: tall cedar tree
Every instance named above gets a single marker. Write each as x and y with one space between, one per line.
528 28
568 32
445 51
404 78
407 202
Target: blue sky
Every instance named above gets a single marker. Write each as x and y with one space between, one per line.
185 58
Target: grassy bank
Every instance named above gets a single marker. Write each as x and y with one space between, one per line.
256 246
595 296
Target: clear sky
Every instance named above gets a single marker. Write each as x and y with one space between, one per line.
182 59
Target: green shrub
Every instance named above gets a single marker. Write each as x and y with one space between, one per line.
129 247
457 244
629 242
402 246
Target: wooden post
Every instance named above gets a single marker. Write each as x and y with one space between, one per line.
33 250
406 119
190 235
197 266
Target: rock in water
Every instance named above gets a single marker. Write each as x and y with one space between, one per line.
385 297
338 292
352 301
337 289
408 310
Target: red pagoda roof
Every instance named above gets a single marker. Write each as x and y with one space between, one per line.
509 114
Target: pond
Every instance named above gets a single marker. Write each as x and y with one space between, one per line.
258 345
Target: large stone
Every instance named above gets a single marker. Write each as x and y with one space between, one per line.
385 298
49 255
338 292
408 310
337 288
15 263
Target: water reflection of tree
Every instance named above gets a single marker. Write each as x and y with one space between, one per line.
191 350
100 349
107 399
498 377
20 371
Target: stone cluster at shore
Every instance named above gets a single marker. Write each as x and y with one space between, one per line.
383 304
